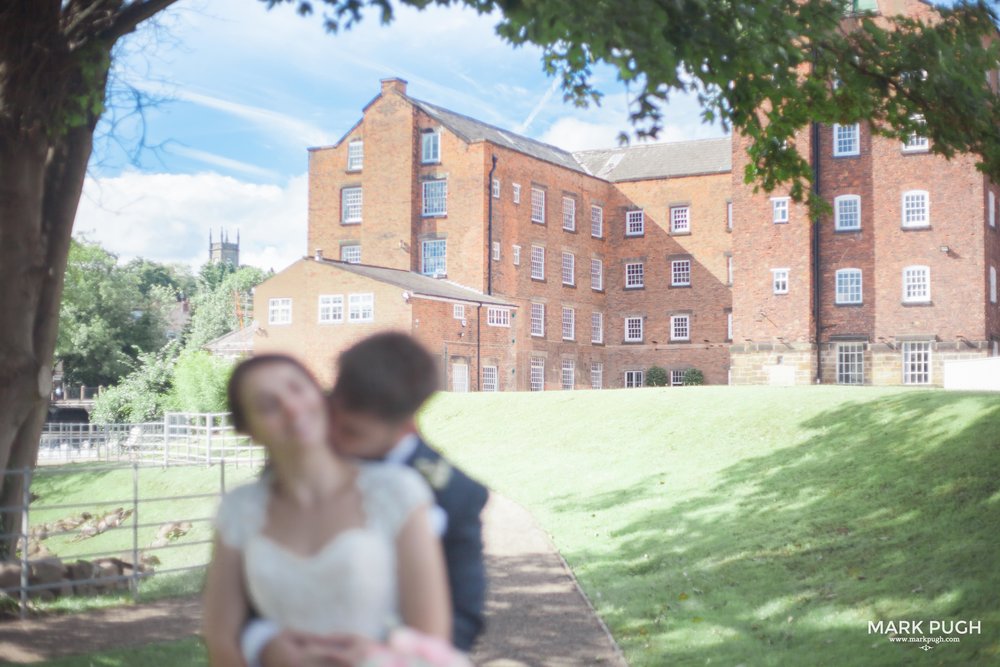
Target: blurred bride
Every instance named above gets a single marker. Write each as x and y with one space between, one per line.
338 551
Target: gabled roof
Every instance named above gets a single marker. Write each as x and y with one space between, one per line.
240 339
415 283
472 130
646 161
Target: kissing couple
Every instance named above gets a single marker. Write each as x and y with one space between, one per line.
359 545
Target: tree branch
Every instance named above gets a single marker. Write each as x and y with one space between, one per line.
130 17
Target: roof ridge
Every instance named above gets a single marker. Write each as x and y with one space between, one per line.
655 144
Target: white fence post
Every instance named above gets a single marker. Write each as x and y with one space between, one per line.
135 531
25 535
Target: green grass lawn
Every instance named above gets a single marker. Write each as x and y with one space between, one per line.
747 526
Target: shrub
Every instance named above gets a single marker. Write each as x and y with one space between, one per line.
657 377
199 383
693 376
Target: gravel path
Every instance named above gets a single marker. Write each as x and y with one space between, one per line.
536 613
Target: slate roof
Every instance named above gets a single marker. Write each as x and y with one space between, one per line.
417 284
677 158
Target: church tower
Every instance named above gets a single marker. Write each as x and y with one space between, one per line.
224 250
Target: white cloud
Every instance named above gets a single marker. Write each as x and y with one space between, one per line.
224 162
167 217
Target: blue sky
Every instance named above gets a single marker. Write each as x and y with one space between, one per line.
242 92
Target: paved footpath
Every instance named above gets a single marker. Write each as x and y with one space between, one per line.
537 616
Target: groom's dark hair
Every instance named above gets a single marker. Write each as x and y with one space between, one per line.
389 375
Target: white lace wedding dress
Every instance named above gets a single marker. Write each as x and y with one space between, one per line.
350 584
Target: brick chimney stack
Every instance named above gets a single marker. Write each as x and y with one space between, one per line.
394 84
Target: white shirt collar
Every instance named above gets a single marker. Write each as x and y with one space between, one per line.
403 449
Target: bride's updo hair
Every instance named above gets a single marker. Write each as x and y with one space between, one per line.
237 410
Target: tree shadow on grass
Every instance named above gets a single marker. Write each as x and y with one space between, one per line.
890 510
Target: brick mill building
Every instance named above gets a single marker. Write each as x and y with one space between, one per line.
526 267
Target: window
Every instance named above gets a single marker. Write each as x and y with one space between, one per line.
361 307
634 379
538 319
568 373
916 363
846 140
677 378
569 214
680 219
350 254
568 268
496 188
596 375
680 327
538 206
779 210
916 209
779 279
847 213
498 317
848 286
435 198
331 308
431 147
516 192
279 311
635 223
991 213
516 252
350 206
596 222
596 275
538 262
916 284
729 269
355 155
460 377
491 379
729 325
433 257
680 273
851 363
729 216
915 142
496 251
537 375
597 328
458 311
633 329
993 284
568 324
634 275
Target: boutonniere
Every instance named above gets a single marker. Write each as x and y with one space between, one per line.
437 473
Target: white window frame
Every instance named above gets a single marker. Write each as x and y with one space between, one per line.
639 275
430 140
424 269
459 377
597 375
680 219
440 199
729 325
568 323
780 210
496 188
538 206
567 375
596 274
597 328
729 215
350 212
536 374
496 251
490 381
635 222
458 311
355 155
916 142
497 316
634 379
569 214
629 336
357 312
516 254
516 192
991 203
838 141
596 221
840 221
538 320
679 268
569 269
538 262
851 363
330 309
346 252
846 292
910 279
993 284
279 311
779 276
677 377
912 371
729 269
916 223
680 327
